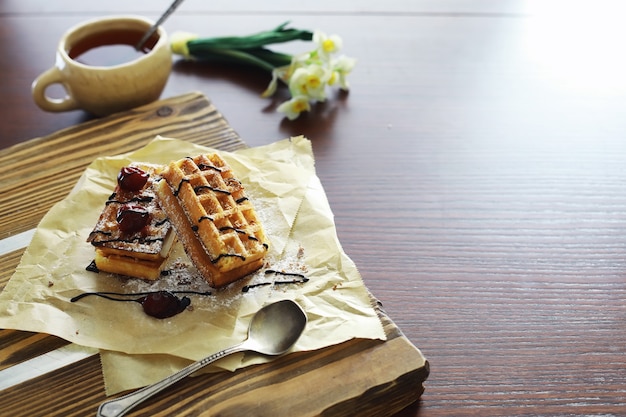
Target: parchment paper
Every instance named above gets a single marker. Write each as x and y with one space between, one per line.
136 349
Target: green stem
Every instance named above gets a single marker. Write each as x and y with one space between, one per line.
234 56
258 40
276 59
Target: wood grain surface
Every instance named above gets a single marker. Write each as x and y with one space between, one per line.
348 377
50 166
475 170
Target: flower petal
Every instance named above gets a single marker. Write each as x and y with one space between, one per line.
292 108
310 81
271 88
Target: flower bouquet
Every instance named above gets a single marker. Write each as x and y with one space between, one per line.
308 75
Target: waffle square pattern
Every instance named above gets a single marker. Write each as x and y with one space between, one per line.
214 219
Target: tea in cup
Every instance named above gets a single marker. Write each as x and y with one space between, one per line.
101 71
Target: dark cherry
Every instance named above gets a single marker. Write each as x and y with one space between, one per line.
163 304
132 178
132 218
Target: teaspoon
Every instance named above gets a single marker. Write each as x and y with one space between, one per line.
273 331
158 23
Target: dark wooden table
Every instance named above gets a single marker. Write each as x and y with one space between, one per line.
477 172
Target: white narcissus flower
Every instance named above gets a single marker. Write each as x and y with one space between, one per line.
292 108
309 81
307 75
327 44
342 66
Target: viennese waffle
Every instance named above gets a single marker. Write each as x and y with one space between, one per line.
136 253
213 218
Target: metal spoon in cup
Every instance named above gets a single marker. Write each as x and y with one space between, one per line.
158 23
273 331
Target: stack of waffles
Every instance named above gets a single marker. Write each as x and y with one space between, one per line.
213 218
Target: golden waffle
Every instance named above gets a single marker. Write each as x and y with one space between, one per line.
138 254
214 220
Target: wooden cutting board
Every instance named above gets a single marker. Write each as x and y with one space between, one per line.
359 377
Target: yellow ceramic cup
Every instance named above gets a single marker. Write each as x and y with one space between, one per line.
105 88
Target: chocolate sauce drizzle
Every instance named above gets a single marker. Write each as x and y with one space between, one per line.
180 185
118 296
161 222
240 231
112 200
298 279
195 227
227 255
158 304
204 167
92 267
164 304
136 239
200 188
140 239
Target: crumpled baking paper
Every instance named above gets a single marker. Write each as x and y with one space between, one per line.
137 349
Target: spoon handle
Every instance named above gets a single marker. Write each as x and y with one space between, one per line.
154 27
120 406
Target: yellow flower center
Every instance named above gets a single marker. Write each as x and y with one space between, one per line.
328 45
313 82
299 106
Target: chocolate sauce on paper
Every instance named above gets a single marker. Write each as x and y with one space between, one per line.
158 304
289 274
298 279
92 267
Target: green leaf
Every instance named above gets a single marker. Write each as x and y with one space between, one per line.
278 35
235 57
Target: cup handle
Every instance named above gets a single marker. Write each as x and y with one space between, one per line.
47 78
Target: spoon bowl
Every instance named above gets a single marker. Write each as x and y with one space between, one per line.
275 328
272 331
